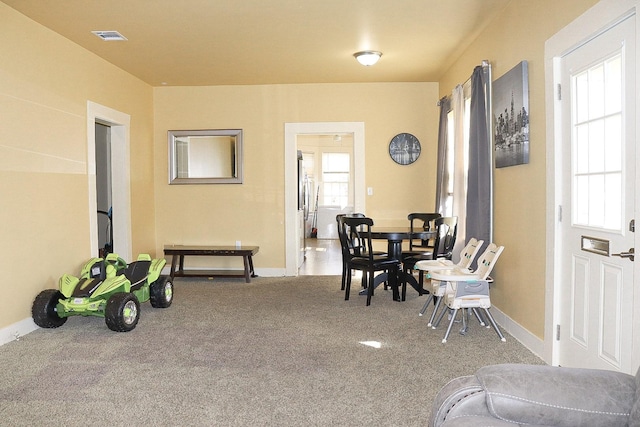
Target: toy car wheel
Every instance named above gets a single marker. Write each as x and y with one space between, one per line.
44 311
122 312
161 292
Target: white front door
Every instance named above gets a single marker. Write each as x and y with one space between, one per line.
598 201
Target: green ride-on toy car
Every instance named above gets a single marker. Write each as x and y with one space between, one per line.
109 288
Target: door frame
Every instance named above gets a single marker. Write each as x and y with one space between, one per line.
120 172
291 130
595 21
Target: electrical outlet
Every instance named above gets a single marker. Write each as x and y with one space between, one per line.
238 243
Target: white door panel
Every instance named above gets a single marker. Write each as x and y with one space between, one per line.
598 201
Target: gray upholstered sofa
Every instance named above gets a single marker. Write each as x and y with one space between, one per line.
528 395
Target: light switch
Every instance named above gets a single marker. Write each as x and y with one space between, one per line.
369 191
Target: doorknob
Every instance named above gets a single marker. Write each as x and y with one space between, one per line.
629 254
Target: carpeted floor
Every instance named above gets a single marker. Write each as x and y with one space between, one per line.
275 352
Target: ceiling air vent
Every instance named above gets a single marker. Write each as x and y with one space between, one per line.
109 36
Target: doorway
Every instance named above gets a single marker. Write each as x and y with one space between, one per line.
592 309
119 129
328 174
329 167
103 189
292 131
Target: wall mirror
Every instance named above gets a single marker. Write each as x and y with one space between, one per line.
205 156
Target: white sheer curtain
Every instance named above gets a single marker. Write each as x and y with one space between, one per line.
443 180
460 142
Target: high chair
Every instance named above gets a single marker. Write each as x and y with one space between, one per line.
436 289
468 290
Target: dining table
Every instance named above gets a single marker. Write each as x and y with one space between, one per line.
394 237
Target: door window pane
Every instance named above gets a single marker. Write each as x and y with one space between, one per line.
595 87
613 152
597 146
613 82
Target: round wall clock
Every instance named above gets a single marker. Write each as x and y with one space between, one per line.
404 148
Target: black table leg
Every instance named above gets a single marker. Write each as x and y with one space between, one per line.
394 249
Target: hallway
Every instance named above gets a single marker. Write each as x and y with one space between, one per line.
323 258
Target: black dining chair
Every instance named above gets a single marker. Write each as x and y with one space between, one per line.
346 243
421 221
351 240
444 241
445 250
345 254
363 258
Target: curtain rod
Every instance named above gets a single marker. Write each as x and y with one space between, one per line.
484 64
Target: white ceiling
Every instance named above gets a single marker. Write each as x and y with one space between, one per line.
232 42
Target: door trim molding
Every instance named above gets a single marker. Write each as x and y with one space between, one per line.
290 180
603 15
120 172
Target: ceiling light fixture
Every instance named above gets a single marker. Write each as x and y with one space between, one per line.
368 57
110 36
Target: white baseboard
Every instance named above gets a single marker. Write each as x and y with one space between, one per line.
526 338
271 272
17 330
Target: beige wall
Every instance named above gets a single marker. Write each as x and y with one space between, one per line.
45 83
518 34
253 212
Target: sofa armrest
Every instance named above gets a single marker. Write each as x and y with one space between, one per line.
546 395
459 397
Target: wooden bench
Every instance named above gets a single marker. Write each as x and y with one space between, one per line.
178 252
